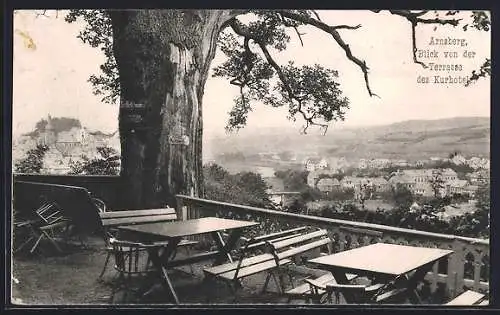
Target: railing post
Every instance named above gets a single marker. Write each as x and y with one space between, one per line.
181 210
342 241
477 270
455 280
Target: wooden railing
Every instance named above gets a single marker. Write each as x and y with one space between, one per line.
467 268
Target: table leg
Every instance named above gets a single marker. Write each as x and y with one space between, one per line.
341 278
415 279
161 261
169 284
225 248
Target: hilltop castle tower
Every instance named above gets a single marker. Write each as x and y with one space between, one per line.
49 135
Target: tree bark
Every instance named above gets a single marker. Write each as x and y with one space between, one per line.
163 58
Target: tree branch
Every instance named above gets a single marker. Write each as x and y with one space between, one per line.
43 13
299 35
336 36
347 27
414 44
316 14
414 18
241 30
286 23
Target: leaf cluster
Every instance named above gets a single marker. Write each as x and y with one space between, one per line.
106 163
33 162
245 188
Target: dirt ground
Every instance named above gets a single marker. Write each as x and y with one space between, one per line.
72 279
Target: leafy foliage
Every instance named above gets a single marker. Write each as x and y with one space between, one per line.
107 163
476 224
483 72
402 196
293 180
425 218
437 182
460 169
222 186
245 188
480 21
33 162
310 92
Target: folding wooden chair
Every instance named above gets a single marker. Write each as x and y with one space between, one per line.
50 220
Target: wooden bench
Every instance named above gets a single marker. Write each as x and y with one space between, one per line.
112 219
279 250
469 297
131 217
304 291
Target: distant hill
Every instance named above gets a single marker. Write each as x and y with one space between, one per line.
413 139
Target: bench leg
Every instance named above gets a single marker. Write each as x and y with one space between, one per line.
277 281
204 283
235 286
290 277
264 288
281 284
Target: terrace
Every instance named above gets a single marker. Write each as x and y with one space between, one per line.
72 278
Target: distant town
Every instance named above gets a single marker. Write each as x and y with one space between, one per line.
65 145
365 180
331 175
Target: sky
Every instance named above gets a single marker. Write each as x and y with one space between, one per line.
51 68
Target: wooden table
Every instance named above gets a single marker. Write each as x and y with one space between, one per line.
175 231
408 264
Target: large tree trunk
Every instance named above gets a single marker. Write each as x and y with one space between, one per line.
163 57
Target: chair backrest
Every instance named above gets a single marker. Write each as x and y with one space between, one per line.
128 258
130 217
111 219
50 213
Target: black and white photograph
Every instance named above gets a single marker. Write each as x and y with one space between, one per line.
279 157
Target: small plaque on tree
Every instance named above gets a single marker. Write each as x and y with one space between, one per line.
178 136
132 113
